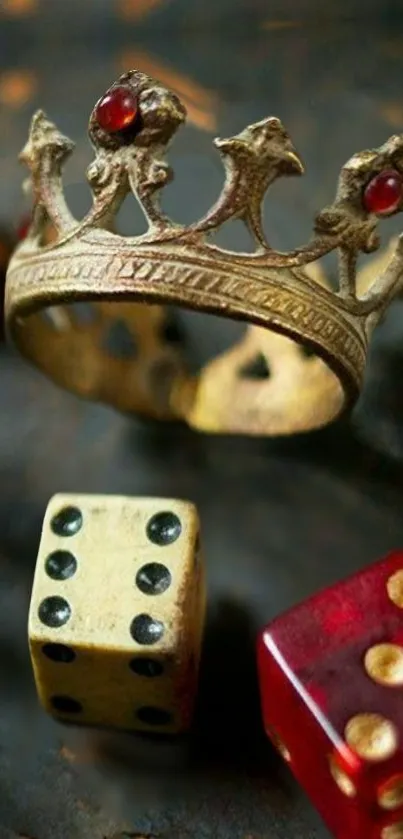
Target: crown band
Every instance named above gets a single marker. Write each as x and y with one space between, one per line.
286 309
275 293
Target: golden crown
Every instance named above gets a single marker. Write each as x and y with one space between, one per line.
130 129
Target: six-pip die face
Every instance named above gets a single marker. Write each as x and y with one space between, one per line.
117 611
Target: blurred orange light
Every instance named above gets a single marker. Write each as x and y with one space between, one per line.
19 8
137 9
392 113
17 87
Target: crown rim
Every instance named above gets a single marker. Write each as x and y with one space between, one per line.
169 276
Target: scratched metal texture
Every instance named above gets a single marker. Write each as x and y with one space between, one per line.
280 518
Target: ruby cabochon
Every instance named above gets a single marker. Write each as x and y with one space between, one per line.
117 110
384 193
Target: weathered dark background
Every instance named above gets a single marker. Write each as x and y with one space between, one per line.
281 518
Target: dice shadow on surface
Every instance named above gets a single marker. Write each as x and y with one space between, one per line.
228 732
15 666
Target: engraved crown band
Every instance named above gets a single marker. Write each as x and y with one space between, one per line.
281 296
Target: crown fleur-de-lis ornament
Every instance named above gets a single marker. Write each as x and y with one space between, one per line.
267 383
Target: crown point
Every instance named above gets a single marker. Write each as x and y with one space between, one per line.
117 110
384 193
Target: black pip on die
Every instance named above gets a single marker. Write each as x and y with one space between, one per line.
117 611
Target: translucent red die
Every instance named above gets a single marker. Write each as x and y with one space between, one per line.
331 679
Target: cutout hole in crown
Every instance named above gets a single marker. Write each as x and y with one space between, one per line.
234 236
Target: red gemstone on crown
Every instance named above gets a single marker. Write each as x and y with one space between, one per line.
23 227
384 193
117 110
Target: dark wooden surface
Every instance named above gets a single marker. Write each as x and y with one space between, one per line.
280 518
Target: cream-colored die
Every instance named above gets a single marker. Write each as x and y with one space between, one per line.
117 611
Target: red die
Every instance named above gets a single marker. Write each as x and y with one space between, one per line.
331 677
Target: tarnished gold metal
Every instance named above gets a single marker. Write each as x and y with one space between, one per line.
268 383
